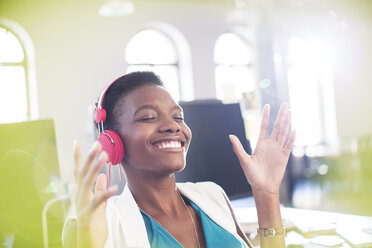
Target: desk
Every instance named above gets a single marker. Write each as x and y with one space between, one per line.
311 228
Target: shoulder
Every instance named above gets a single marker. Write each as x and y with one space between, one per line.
202 187
207 190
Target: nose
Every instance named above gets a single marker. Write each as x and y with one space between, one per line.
170 125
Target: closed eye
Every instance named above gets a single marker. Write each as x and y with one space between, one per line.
147 119
178 118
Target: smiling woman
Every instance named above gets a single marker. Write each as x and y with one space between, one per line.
150 124
137 113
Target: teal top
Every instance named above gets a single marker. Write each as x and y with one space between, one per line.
215 236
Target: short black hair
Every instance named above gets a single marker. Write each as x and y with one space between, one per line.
121 87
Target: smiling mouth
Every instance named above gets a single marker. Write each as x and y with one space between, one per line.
170 145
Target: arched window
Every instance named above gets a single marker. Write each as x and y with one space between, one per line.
160 50
236 78
15 100
311 92
235 73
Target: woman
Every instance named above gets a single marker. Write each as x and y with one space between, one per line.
154 211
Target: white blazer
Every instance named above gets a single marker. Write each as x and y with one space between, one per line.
126 227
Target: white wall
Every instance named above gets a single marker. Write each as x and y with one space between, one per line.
79 52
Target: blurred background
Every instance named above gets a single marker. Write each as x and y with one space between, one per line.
57 56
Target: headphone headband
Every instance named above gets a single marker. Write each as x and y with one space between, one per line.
109 139
100 113
100 98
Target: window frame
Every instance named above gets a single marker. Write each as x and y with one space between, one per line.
183 52
243 35
328 134
28 64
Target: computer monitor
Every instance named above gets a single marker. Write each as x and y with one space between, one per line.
29 178
211 156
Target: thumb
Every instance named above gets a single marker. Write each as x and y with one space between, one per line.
238 149
101 184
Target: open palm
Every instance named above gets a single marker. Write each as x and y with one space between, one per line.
265 169
92 230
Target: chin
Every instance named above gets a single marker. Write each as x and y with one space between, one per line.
174 167
180 168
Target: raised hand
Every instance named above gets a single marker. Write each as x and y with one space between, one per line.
91 224
265 169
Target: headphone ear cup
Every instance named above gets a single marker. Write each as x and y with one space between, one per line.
112 145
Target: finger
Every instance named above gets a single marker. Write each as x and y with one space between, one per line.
93 172
285 128
238 149
77 158
101 184
288 147
95 149
99 199
265 122
278 121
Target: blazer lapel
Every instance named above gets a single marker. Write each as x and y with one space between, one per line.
214 211
133 226
131 221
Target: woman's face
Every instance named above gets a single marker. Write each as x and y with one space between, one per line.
154 134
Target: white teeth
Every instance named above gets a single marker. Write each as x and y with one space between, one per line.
169 144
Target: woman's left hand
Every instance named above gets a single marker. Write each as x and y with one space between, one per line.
265 169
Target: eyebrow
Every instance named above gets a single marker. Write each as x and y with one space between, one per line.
153 107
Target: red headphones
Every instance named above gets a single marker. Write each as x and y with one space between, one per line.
109 139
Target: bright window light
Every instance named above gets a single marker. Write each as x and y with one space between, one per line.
234 73
13 95
310 92
230 49
235 78
305 106
10 48
151 50
13 88
314 54
151 47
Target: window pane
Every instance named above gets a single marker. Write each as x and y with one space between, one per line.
13 95
10 48
232 81
230 49
311 91
151 47
168 74
304 96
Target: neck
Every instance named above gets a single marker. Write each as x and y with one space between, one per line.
155 194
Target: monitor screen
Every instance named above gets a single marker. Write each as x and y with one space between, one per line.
211 156
29 178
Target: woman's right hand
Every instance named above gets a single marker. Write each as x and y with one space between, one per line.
90 205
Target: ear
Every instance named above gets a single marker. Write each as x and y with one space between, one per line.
113 145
